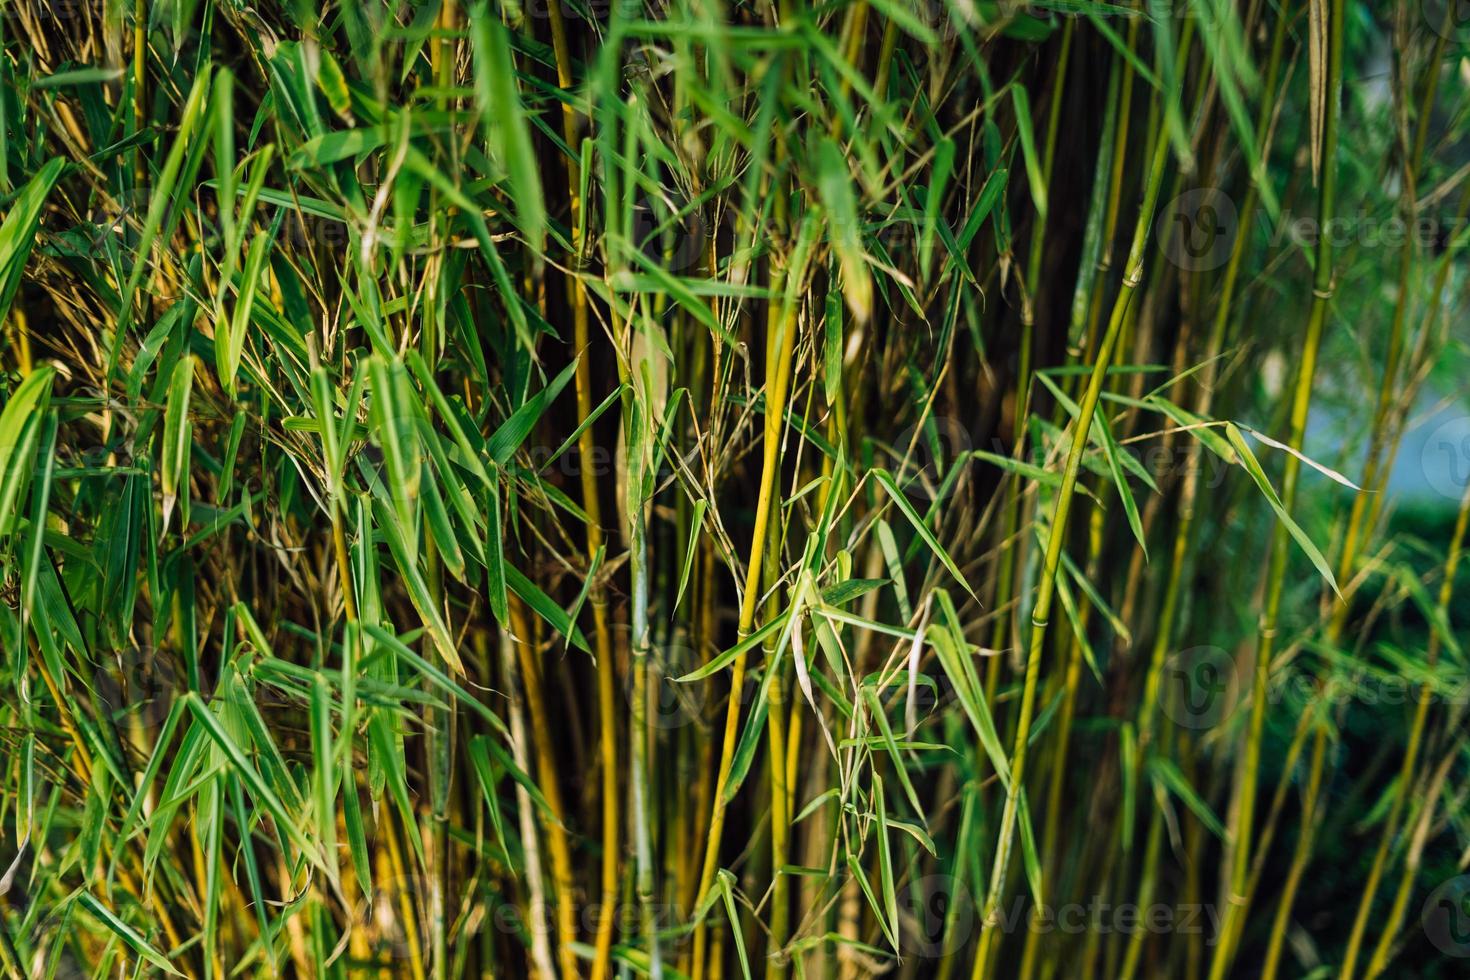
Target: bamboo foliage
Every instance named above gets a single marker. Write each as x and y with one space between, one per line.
704 490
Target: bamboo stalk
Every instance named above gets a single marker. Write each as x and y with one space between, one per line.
1189 492
1406 769
592 505
525 813
1372 482
1373 473
1309 820
776 735
1041 612
1385 949
552 822
778 379
1322 287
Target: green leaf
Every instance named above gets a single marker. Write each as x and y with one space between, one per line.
1173 780
126 933
161 201
287 823
1035 179
504 117
229 341
29 400
1253 467
885 859
18 232
727 892
886 481
504 442
696 524
177 435
545 607
834 185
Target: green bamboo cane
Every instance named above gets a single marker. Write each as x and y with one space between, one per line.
1357 528
1371 483
1322 287
1310 818
1372 471
1385 949
639 437
1416 732
1411 751
776 734
776 702
1057 773
1189 492
782 321
1011 567
592 506
1041 612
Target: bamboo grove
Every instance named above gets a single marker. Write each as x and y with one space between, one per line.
706 489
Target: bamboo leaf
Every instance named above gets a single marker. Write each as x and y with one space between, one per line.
126 933
1251 466
886 481
504 118
177 433
18 231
